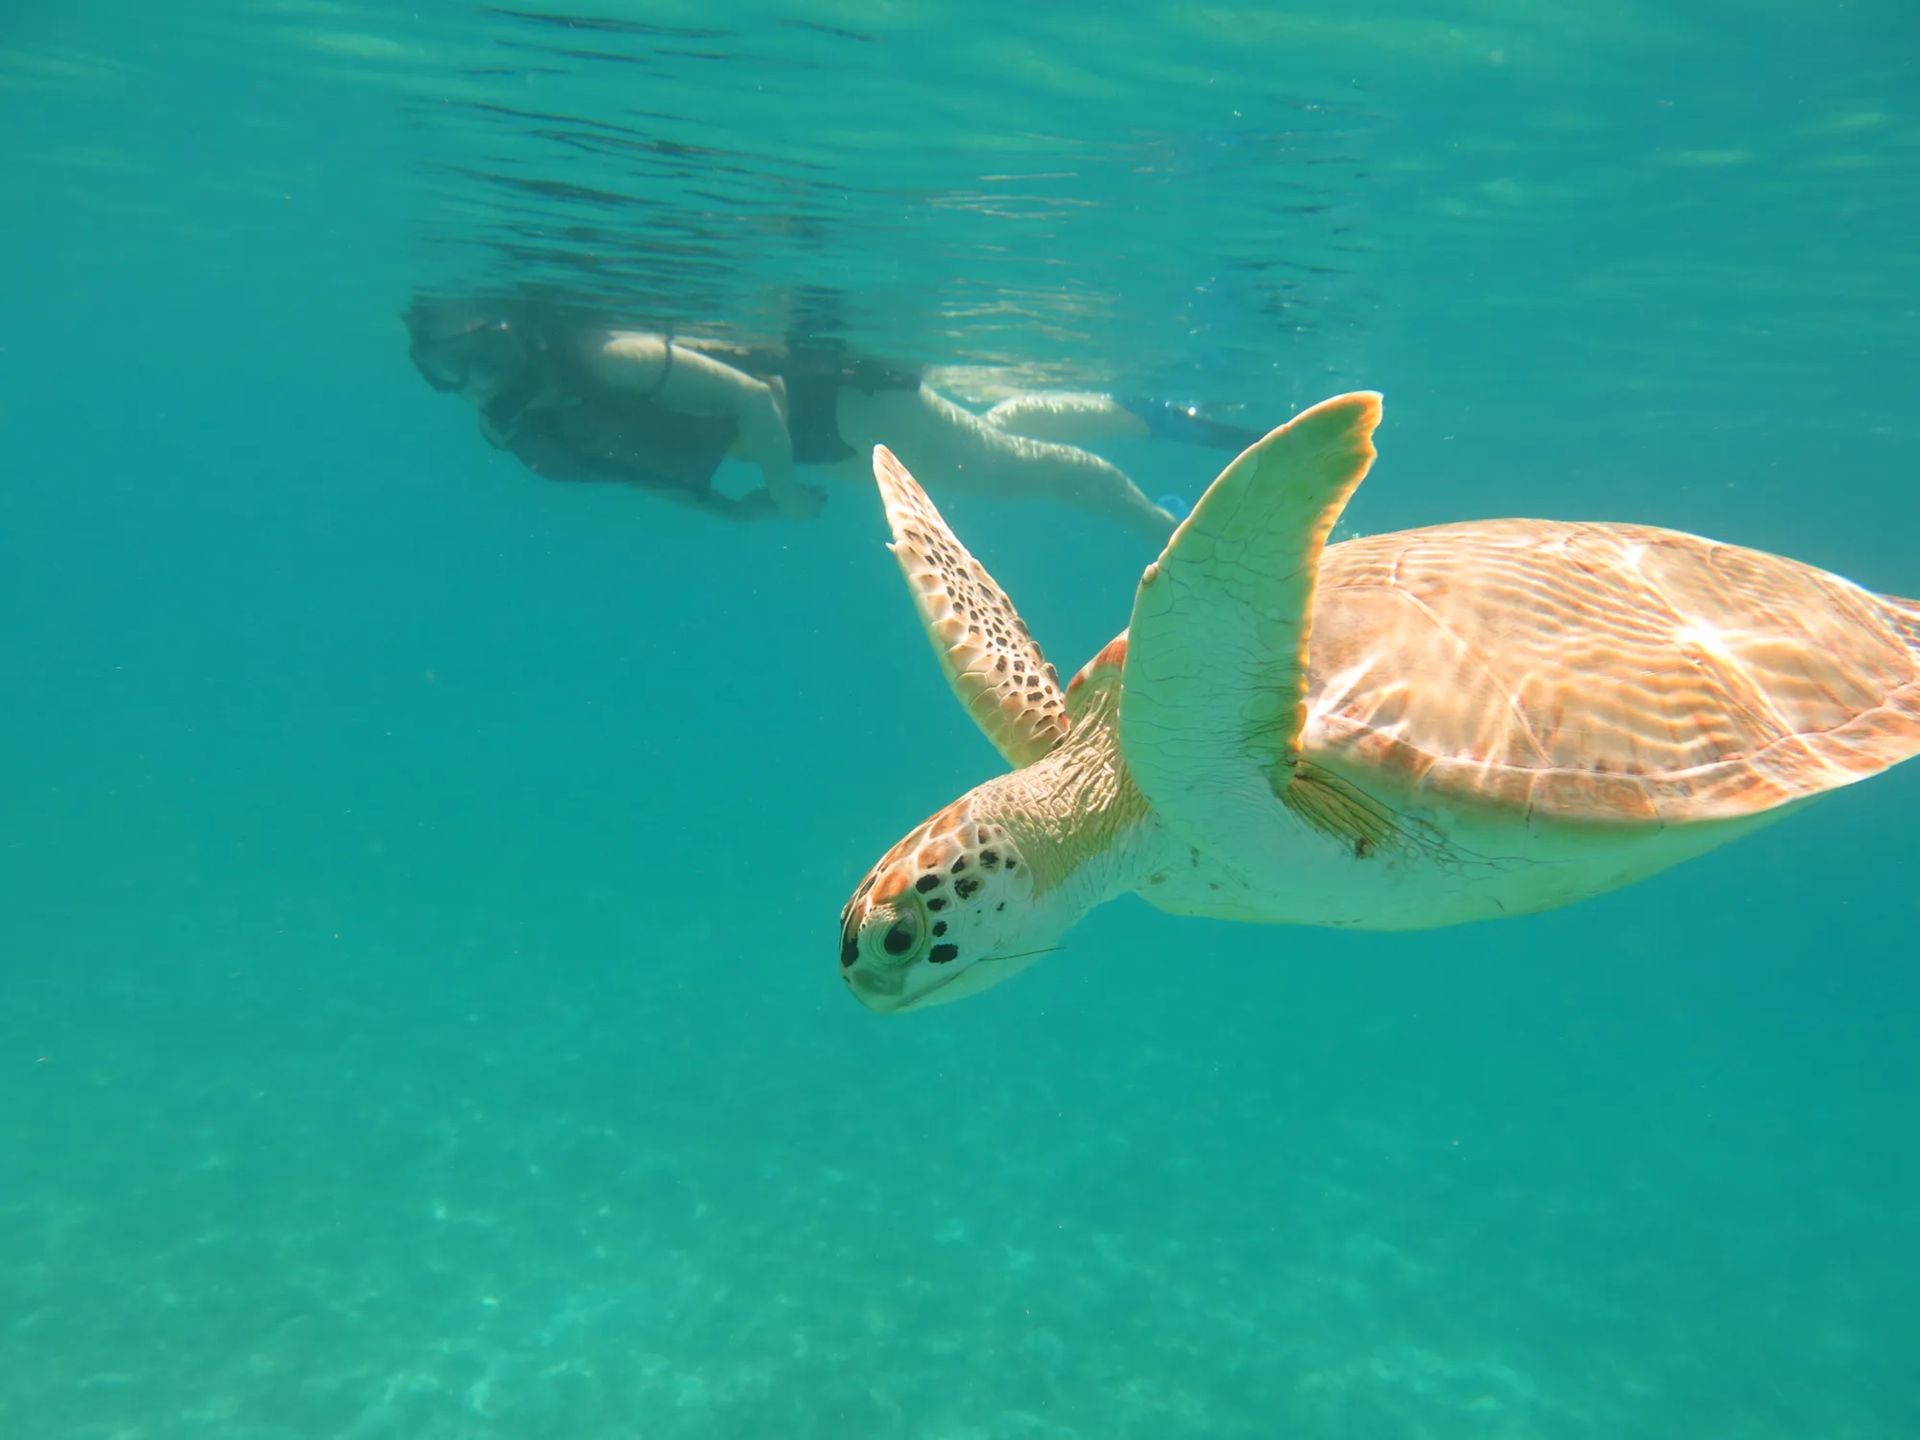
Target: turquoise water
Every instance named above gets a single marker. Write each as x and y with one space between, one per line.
418 1011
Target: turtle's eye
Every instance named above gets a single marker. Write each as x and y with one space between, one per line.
903 935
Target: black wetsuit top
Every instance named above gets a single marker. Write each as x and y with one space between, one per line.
597 433
814 383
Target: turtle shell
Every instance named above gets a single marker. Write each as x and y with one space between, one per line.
1604 673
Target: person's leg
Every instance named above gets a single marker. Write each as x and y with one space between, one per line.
951 448
1066 418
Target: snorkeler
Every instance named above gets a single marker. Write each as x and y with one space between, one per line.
576 401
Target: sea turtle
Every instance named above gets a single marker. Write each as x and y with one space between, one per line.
1396 732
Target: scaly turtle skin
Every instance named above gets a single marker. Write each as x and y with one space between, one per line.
1398 732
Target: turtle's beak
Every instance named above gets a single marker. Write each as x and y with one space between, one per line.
883 994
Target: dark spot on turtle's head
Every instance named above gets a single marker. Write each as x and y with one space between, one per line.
965 888
990 859
958 865
942 953
926 883
849 950
939 927
938 902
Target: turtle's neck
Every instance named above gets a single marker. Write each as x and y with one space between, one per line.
1082 825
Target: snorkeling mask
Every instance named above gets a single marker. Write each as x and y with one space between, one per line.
490 349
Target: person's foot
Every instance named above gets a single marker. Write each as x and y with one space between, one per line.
1153 523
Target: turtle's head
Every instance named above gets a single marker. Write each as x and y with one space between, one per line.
949 911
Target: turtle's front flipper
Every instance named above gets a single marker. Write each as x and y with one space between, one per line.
991 661
1215 682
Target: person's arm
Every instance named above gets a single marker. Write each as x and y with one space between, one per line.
546 452
675 377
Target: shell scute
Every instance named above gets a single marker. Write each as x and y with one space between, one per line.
1610 673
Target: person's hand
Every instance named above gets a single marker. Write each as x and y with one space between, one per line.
761 504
